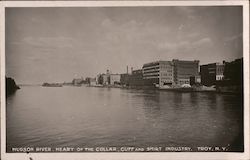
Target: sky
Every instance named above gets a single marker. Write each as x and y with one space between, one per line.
59 44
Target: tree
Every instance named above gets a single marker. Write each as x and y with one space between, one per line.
100 79
233 72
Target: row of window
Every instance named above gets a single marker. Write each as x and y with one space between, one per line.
146 74
166 74
183 82
151 67
168 78
166 66
151 71
151 77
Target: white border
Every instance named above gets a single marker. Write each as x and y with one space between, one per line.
112 156
120 3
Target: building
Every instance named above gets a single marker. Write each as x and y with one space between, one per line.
136 78
175 72
158 73
115 79
195 80
124 79
183 70
77 81
99 79
103 79
92 81
210 73
220 71
108 78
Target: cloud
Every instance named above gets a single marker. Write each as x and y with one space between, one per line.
167 46
188 12
48 42
174 47
184 45
202 42
192 35
232 38
131 32
119 33
106 23
185 10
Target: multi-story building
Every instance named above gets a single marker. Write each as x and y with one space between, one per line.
195 80
158 73
183 70
77 81
115 79
220 71
108 79
103 79
210 73
92 81
136 78
124 79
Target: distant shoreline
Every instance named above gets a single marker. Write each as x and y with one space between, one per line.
180 90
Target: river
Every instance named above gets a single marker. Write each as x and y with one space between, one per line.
94 117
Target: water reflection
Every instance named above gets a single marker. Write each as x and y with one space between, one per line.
113 117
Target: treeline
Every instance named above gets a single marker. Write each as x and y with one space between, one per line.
233 78
11 86
233 73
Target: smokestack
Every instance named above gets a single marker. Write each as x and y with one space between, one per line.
127 69
131 70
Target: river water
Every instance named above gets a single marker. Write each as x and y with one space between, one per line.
94 117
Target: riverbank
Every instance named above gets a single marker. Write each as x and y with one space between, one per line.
213 89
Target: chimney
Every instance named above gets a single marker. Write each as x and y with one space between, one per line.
131 70
127 69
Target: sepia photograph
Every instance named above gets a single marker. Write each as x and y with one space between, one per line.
124 78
